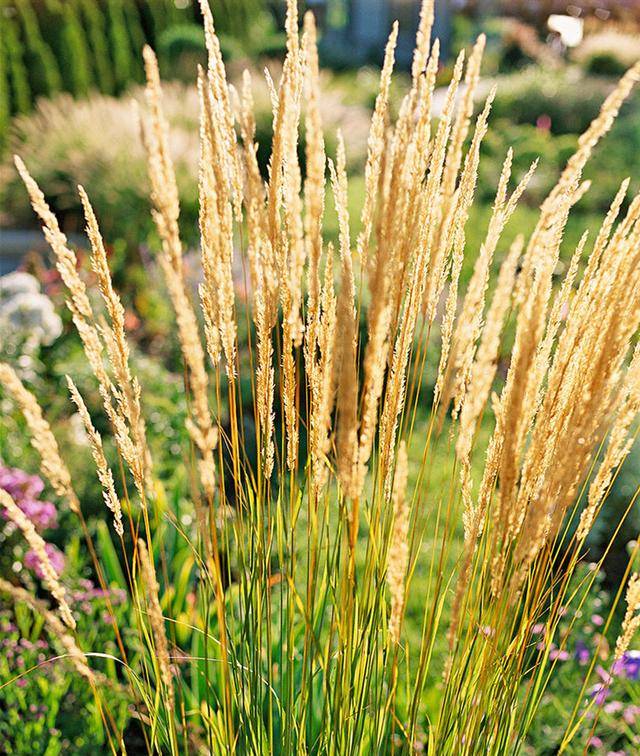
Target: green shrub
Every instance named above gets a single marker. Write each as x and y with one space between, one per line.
44 72
20 90
61 143
180 47
568 99
76 71
119 45
529 143
94 23
5 101
608 53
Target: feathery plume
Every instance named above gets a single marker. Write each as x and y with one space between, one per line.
156 618
399 547
166 214
631 621
375 147
41 436
104 472
346 337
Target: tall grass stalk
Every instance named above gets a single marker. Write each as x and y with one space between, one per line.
304 552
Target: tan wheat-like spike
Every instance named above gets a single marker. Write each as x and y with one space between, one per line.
66 264
265 374
289 373
597 129
66 260
400 223
164 190
374 148
84 319
554 205
519 396
166 215
115 340
104 472
217 291
423 39
631 621
254 192
207 290
289 235
469 324
41 437
458 347
118 346
346 338
295 246
314 185
618 447
460 128
156 618
586 365
421 278
399 546
375 364
557 393
36 542
485 363
452 224
466 190
229 156
322 377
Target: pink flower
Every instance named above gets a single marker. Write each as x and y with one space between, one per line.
56 557
543 122
594 742
603 675
599 692
19 484
41 513
630 713
597 620
25 489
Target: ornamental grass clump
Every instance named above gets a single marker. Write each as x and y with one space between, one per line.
307 537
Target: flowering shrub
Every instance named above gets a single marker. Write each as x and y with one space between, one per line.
45 708
39 709
26 490
608 52
608 714
28 319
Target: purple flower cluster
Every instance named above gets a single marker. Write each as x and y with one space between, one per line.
610 707
87 593
25 490
628 666
56 557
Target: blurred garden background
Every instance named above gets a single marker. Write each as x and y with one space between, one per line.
70 76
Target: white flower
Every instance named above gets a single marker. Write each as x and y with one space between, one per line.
18 283
31 314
